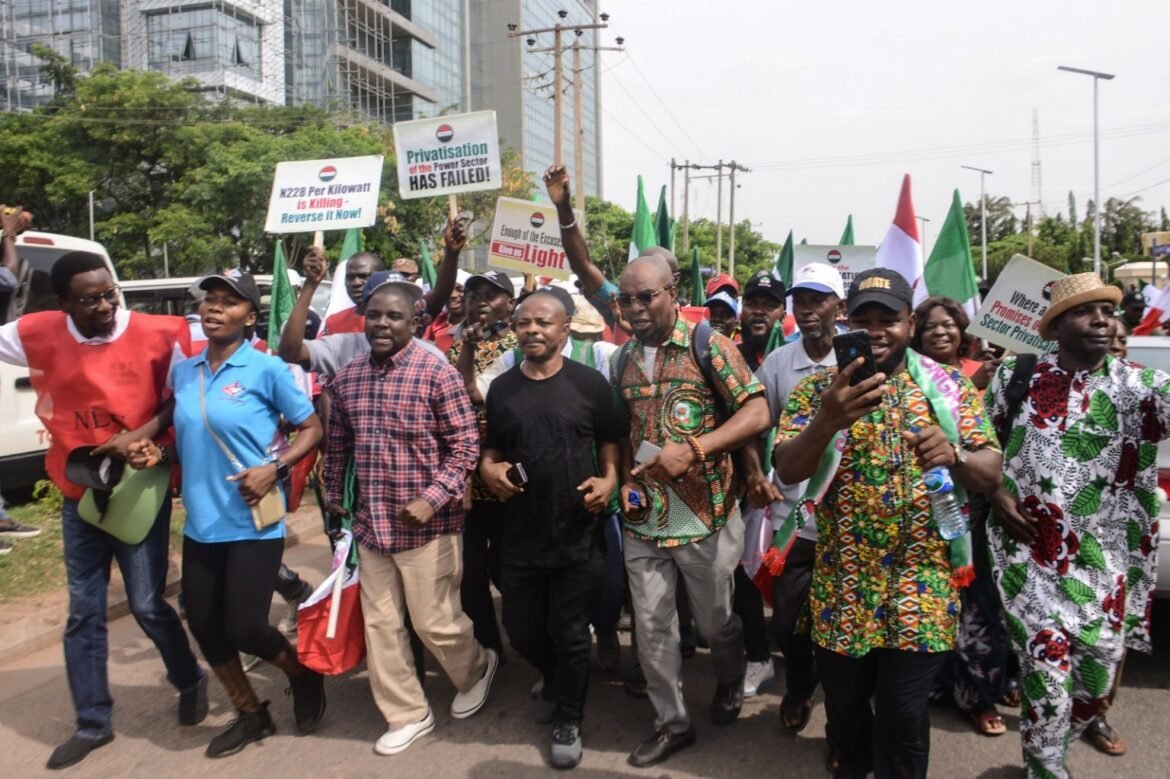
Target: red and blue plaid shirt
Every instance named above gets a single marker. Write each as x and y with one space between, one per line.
412 433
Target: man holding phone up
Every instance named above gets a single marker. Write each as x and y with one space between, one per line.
884 603
552 453
684 519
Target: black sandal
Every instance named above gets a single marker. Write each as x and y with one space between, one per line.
804 714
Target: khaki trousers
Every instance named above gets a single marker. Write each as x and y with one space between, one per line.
423 582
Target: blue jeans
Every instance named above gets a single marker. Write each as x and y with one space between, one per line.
88 552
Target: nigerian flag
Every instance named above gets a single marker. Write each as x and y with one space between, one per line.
426 268
281 299
950 271
663 224
643 236
785 260
847 236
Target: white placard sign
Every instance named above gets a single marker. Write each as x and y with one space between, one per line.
448 155
309 195
527 238
848 260
1013 307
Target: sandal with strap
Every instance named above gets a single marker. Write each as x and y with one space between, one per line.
988 723
1105 738
795 719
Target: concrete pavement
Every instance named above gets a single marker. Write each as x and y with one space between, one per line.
502 740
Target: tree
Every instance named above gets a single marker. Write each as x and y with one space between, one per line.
1001 219
174 172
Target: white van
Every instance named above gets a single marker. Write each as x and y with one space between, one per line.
23 439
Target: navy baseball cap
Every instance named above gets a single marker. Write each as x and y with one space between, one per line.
389 278
243 284
496 278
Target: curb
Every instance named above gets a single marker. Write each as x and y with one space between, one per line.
45 627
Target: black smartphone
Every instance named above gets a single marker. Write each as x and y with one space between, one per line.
517 475
848 347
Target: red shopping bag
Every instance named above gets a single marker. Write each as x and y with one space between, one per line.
338 650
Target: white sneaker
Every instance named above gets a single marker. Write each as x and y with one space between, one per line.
757 676
468 703
394 741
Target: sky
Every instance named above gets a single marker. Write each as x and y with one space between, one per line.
830 103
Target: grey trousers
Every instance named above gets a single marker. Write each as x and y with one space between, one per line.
708 568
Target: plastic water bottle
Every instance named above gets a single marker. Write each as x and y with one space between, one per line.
948 513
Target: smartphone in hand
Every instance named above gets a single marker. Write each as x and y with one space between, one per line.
517 475
848 347
646 452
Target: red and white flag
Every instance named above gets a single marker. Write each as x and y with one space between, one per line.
1156 314
901 250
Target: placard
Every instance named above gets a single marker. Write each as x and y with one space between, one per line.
309 195
448 155
526 237
848 260
1013 307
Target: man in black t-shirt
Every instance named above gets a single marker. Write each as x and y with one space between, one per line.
555 419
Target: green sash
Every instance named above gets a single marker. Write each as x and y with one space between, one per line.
943 394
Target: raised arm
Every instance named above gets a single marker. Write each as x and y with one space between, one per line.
556 182
454 239
292 339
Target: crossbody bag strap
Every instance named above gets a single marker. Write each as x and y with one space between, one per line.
207 424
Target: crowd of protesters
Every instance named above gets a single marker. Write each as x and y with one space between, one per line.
596 449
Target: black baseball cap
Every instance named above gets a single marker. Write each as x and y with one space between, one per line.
390 278
496 278
243 284
764 281
96 471
1133 298
561 295
879 285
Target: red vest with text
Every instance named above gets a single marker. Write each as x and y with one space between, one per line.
347 321
87 393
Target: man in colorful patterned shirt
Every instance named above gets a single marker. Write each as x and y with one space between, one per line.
688 520
1076 540
884 602
484 335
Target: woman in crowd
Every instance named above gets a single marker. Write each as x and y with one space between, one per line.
229 401
977 675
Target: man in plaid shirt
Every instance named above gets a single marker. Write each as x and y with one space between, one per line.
404 416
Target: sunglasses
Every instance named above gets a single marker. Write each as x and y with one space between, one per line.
645 298
93 301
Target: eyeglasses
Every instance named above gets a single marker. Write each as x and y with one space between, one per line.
93 301
645 298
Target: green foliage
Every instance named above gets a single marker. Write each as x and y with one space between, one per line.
171 168
49 497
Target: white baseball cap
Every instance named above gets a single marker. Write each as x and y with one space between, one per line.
819 278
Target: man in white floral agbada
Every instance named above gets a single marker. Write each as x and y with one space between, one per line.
1075 543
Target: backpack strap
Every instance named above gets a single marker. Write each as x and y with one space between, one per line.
1015 392
701 351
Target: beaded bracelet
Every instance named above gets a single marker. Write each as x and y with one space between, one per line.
700 455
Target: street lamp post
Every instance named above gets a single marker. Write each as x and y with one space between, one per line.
1096 163
923 220
983 174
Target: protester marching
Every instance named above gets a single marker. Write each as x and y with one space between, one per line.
911 483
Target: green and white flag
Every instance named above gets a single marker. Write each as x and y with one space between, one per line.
950 271
281 299
643 236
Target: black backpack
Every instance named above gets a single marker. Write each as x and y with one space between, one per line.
701 352
1014 393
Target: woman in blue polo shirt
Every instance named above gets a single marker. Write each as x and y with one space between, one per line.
229 400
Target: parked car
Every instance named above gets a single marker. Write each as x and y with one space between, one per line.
1153 351
23 439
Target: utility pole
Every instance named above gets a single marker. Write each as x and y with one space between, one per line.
578 119
673 167
558 71
731 218
923 220
687 208
719 221
983 174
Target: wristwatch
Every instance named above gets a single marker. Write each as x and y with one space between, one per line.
282 469
960 455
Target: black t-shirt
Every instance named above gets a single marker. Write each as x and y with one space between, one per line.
551 427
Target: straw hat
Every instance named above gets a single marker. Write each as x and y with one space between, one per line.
1072 291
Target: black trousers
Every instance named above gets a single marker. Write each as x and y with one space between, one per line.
789 596
891 737
748 604
227 589
546 614
481 567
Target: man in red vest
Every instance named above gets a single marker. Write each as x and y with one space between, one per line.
100 371
358 270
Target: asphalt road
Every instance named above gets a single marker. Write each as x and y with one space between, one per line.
502 740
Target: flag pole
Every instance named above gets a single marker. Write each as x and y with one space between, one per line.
452 208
